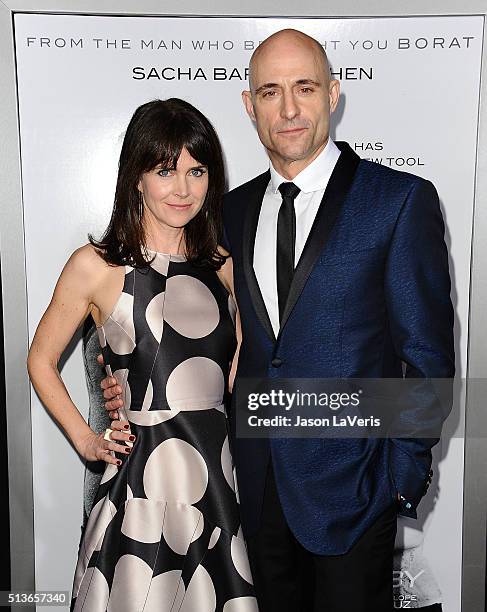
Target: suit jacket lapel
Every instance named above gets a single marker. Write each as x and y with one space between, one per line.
250 227
333 198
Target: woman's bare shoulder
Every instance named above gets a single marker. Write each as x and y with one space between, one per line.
223 251
87 265
226 271
87 255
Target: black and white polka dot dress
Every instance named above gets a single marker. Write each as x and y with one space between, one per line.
164 532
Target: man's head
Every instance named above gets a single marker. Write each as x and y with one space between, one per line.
291 97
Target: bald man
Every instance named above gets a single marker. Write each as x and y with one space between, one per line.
340 271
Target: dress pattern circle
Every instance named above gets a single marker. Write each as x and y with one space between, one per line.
164 532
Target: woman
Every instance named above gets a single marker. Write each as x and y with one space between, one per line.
164 530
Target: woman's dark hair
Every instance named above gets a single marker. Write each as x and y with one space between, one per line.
155 136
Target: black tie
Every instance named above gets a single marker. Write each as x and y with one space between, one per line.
286 241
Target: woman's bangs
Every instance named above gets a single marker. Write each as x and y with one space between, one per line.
166 153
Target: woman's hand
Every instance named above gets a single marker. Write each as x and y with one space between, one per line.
94 447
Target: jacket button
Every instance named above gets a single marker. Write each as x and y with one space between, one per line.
276 362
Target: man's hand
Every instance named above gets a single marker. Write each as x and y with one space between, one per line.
111 392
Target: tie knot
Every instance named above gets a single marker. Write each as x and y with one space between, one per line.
289 190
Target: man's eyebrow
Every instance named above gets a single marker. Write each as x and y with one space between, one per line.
298 82
266 86
308 82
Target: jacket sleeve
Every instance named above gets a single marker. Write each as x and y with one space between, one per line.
420 313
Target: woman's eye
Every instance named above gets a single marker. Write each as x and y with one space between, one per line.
164 172
197 172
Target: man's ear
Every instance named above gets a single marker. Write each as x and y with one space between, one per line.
249 106
334 92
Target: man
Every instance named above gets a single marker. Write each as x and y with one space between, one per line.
340 270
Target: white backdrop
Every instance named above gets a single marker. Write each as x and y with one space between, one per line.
410 100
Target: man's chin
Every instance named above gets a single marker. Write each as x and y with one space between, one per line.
292 154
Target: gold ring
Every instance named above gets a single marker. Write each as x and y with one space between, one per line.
108 431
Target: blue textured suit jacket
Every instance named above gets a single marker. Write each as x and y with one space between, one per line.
371 290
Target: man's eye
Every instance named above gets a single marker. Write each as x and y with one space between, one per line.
269 94
306 90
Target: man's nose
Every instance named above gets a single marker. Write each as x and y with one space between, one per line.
289 108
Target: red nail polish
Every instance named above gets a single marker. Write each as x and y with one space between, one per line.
132 438
127 426
119 462
128 450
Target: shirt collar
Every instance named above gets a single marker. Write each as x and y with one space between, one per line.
314 177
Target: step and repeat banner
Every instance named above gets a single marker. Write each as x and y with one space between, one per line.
410 96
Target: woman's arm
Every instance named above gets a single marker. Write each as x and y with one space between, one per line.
226 276
71 303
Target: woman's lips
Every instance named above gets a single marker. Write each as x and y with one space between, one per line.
179 206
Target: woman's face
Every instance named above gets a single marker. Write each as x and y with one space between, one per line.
173 196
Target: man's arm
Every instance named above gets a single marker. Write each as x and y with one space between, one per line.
417 292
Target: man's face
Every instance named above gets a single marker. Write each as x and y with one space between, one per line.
291 100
